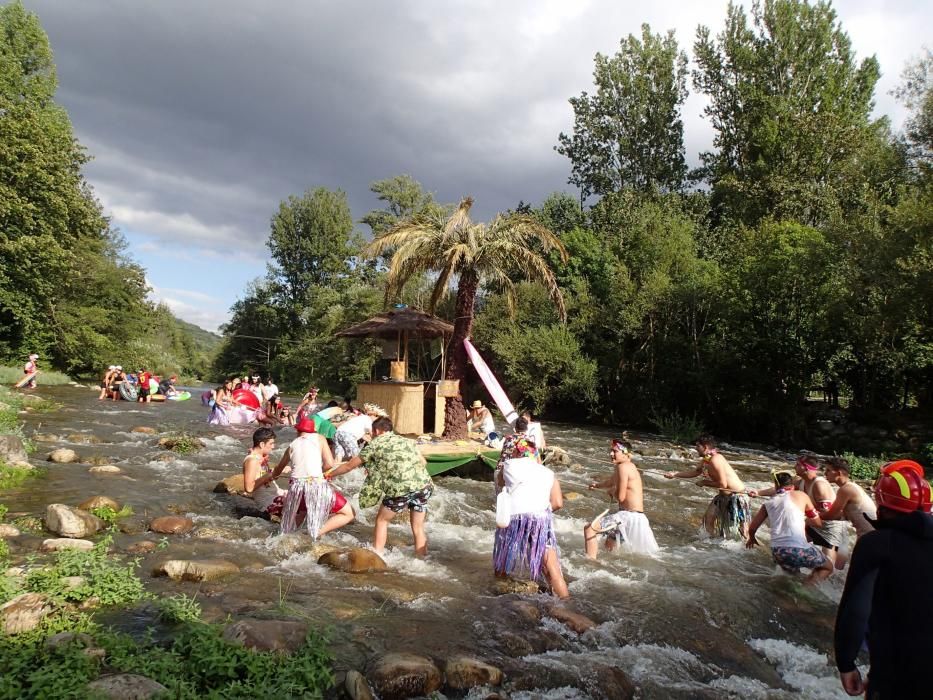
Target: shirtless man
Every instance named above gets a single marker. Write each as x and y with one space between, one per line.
852 502
628 523
831 536
730 510
106 382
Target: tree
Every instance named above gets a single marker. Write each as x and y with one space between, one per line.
790 108
916 92
311 241
629 134
404 197
458 248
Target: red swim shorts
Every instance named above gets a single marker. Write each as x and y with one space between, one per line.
339 501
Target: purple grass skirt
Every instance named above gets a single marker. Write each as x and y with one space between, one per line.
520 547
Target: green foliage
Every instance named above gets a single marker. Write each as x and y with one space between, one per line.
864 468
629 134
179 608
107 579
11 477
110 516
181 442
11 375
679 428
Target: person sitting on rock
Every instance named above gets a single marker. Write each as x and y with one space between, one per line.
266 494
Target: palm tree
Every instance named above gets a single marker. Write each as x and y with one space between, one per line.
495 253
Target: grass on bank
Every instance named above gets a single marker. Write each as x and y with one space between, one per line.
10 375
192 661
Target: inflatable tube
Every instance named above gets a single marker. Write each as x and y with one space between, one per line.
244 397
127 391
158 398
180 396
25 380
153 385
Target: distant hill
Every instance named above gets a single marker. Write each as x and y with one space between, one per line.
204 341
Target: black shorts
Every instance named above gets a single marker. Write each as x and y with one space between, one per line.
143 393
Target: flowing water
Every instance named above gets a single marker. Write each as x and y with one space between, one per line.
704 618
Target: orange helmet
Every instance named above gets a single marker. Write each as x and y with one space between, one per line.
902 487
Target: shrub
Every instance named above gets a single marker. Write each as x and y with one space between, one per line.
864 468
110 516
11 477
677 427
179 608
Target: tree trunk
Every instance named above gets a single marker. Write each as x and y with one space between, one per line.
455 427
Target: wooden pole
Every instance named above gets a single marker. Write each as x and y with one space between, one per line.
405 373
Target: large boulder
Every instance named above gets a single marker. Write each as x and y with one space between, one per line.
464 672
232 484
504 586
83 439
8 531
63 456
196 569
172 525
71 522
57 545
126 686
99 502
283 636
24 612
556 457
354 561
143 547
12 450
397 676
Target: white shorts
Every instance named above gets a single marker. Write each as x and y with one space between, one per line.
632 528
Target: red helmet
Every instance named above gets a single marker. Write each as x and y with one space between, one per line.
305 425
901 487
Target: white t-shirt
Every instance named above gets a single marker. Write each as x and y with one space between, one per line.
256 390
305 456
529 484
535 433
787 522
357 426
269 390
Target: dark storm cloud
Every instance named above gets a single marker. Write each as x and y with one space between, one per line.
202 116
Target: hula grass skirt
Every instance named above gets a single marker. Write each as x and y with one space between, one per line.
314 498
520 547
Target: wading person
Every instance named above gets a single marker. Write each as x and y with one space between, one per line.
831 535
852 502
142 383
349 433
167 386
888 596
266 494
535 431
397 478
730 510
31 367
311 499
629 523
106 381
788 513
528 546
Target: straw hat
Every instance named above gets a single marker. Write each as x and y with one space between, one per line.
374 409
477 404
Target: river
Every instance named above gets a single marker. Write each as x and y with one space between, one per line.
703 619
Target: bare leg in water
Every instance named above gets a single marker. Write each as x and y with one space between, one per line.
554 574
342 517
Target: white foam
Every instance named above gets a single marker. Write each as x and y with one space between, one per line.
802 667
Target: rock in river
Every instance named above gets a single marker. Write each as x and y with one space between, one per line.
63 456
71 522
105 469
267 635
575 621
464 672
99 502
24 612
144 429
172 525
196 569
12 450
232 484
57 545
354 561
126 686
396 676
8 531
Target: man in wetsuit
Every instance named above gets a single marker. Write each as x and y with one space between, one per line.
888 596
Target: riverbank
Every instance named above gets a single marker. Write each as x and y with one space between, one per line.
665 625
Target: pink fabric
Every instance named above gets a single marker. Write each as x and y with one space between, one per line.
492 384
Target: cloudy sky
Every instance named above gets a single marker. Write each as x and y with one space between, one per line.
202 115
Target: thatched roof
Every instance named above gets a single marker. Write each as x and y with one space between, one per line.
389 324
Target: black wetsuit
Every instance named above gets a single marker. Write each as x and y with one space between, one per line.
888 597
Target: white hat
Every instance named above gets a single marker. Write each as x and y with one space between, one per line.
119 367
33 357
112 367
